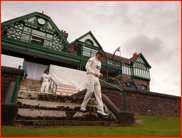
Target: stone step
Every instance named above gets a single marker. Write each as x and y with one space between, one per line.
49 105
31 114
51 97
61 92
35 107
65 87
64 123
64 93
69 91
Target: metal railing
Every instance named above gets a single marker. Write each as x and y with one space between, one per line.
25 69
53 42
124 97
87 52
25 72
117 81
15 89
56 43
17 81
53 86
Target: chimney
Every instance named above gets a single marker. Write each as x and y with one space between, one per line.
135 54
65 35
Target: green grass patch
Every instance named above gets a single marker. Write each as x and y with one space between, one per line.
153 127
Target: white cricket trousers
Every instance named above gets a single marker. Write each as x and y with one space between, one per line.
93 85
45 85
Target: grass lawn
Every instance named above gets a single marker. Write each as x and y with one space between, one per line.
153 127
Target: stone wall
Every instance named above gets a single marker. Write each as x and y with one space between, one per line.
145 102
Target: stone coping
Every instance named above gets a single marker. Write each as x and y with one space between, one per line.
125 89
10 70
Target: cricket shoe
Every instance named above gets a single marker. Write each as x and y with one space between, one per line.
101 112
83 110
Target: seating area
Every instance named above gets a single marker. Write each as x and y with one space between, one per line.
32 85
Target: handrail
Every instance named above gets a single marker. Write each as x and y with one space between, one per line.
124 102
110 85
15 89
54 83
25 69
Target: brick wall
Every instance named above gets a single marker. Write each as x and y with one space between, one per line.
65 34
8 75
5 80
146 103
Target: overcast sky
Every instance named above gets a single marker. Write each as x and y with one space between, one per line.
151 28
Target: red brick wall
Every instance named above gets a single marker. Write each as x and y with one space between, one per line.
146 104
5 80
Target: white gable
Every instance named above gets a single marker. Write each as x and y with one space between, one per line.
140 60
89 37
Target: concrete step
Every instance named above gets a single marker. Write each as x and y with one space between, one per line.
50 105
52 97
64 123
35 108
30 114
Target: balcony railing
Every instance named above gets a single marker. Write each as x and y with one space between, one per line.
54 42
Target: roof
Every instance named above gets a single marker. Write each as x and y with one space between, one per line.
125 60
130 60
35 14
91 34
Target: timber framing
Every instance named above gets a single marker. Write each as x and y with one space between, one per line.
50 43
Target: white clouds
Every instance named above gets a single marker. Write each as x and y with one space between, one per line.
150 27
152 48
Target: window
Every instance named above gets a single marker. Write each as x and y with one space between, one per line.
88 52
126 69
89 42
26 34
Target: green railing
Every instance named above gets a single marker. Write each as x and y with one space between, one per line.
53 41
17 81
15 89
88 52
117 81
25 69
25 72
124 97
53 86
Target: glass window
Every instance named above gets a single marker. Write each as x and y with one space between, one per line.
38 33
25 37
88 42
94 53
49 36
26 30
86 51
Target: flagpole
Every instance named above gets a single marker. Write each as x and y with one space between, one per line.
120 52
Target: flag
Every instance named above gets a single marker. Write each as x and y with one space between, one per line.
118 49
